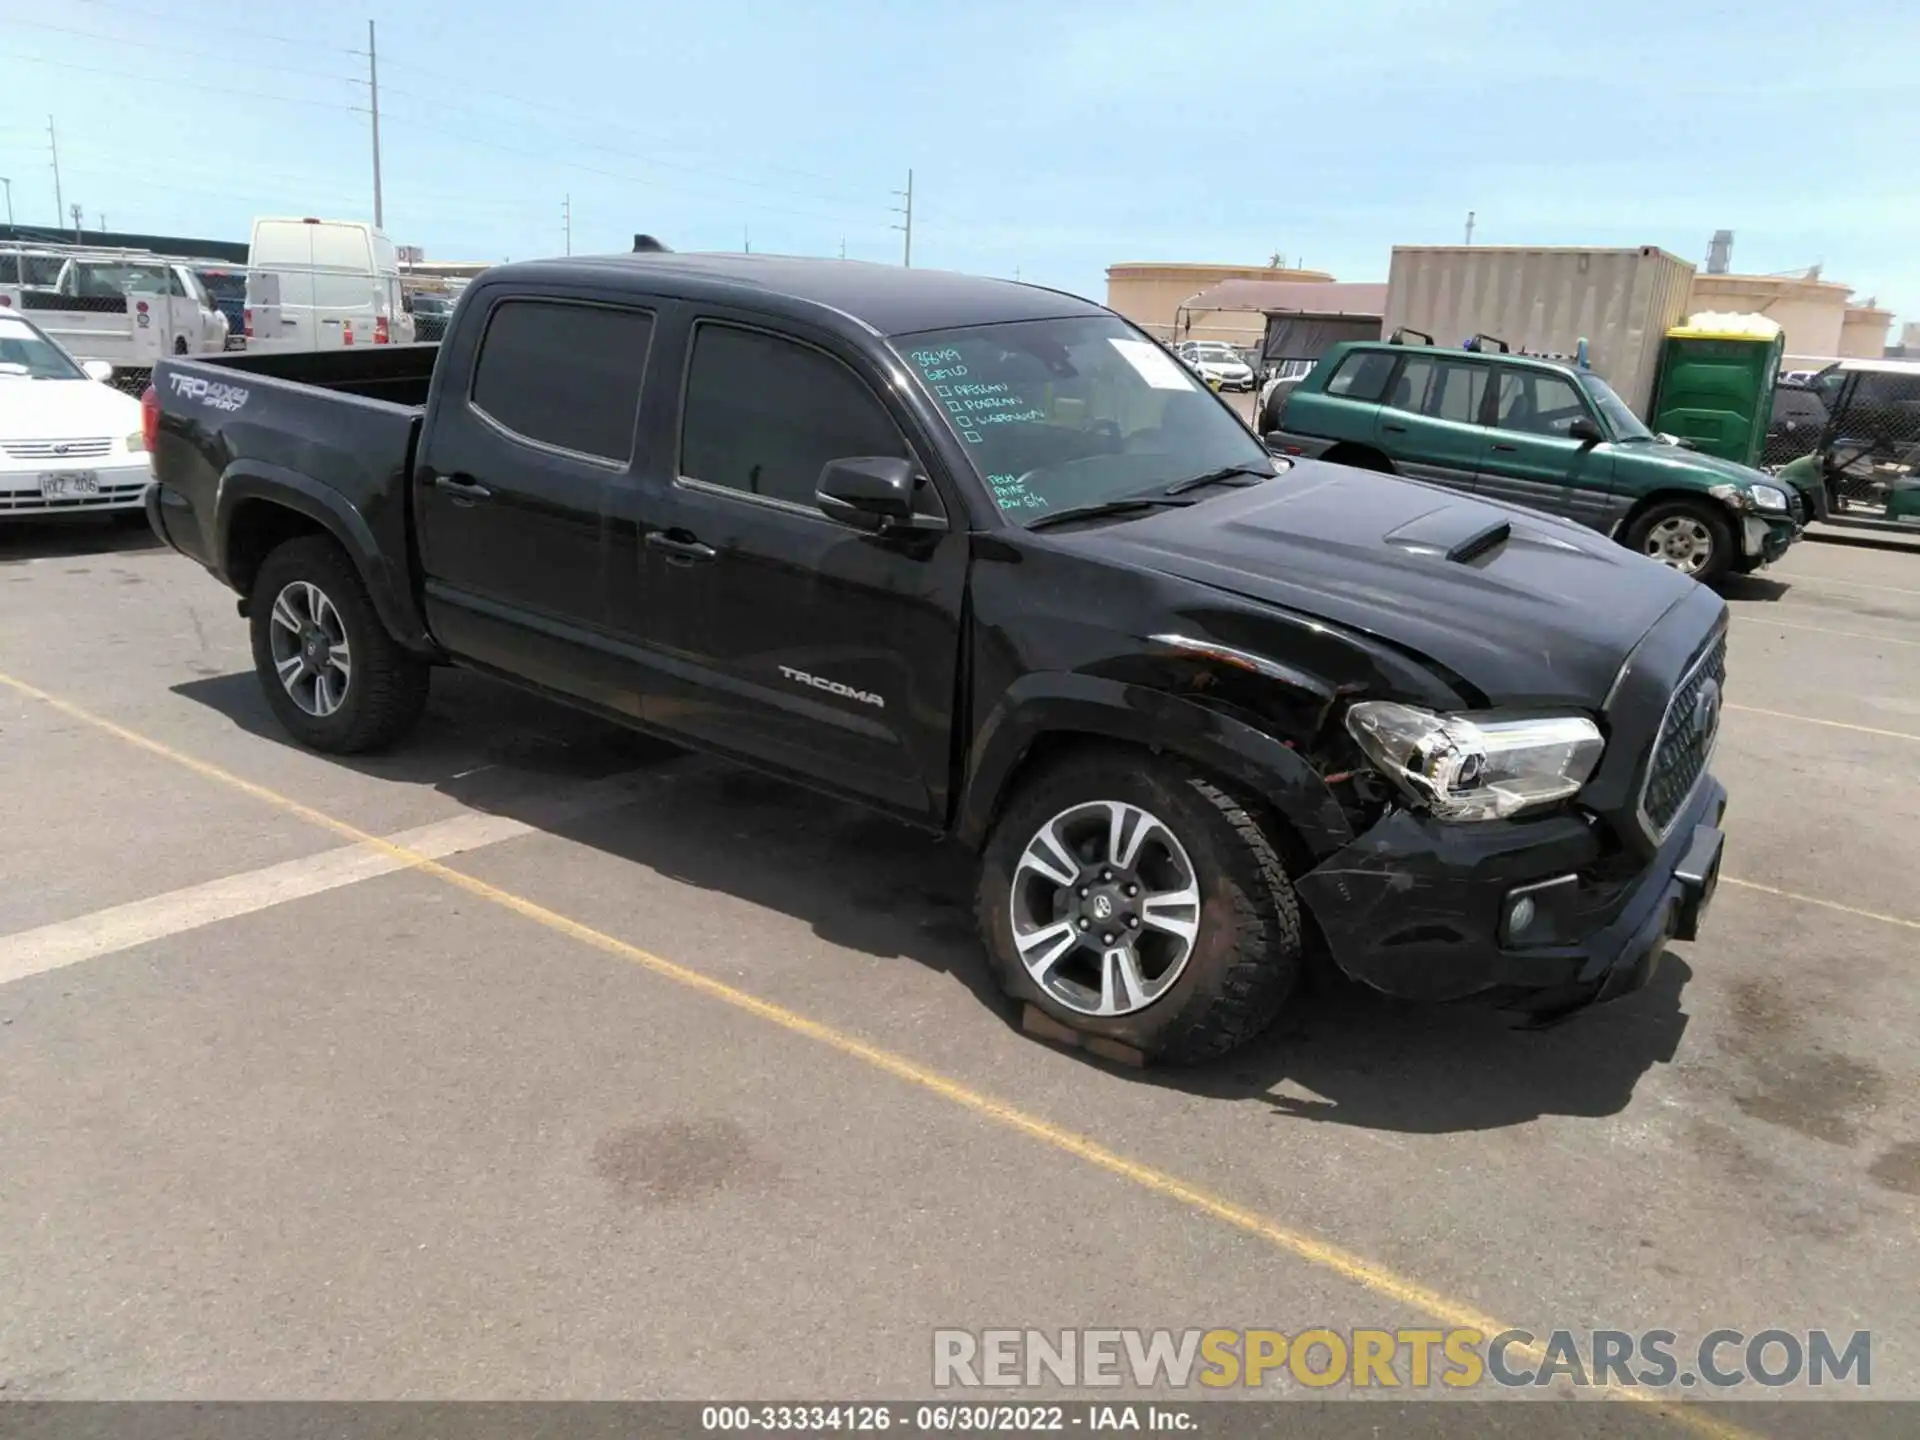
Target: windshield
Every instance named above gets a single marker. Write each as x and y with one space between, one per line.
26 353
1622 421
1059 413
1217 352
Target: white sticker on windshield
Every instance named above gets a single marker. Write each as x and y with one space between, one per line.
1156 367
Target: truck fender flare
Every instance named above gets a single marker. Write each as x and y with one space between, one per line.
259 480
1050 705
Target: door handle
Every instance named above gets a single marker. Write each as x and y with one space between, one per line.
680 547
1395 429
1507 449
463 488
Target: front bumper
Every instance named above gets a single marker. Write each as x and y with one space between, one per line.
1415 907
1766 539
121 486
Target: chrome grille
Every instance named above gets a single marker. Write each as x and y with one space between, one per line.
56 449
1686 739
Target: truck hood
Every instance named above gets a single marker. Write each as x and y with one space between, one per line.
1545 616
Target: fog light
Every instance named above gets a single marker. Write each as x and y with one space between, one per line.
1539 914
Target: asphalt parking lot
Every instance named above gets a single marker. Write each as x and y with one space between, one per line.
665 1080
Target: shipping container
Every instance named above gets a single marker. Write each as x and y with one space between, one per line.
1546 300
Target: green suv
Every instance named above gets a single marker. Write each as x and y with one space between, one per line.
1540 433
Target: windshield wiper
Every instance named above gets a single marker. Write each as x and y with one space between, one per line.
1124 506
1213 477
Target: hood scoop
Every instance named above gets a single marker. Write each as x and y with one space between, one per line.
1462 533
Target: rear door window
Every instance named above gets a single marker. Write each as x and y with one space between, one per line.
1362 376
1410 386
564 374
1456 393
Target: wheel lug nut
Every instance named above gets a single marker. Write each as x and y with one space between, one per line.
1084 922
1132 890
1106 939
1106 874
1133 922
1083 892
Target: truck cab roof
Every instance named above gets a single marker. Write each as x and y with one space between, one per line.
885 299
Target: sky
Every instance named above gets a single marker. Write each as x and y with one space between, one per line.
1047 139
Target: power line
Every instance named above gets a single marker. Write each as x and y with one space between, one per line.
177 50
173 18
168 82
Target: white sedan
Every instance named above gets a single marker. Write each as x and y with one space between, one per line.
1218 363
68 441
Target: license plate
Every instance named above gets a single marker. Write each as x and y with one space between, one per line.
64 484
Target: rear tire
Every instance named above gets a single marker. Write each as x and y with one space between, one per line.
349 686
1180 1005
1691 536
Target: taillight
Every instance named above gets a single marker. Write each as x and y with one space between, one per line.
246 321
381 334
150 417
346 332
6 302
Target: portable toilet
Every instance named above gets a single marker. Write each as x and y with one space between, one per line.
1715 387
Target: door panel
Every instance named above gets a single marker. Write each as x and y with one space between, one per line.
516 492
1528 458
1428 426
821 650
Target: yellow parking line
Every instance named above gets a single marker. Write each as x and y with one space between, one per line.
1815 720
1822 630
1823 904
1343 1262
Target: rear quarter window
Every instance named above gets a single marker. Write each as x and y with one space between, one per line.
1362 376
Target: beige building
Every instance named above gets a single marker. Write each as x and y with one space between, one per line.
1820 323
1152 294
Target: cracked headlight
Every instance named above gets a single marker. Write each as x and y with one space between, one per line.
1465 769
1770 498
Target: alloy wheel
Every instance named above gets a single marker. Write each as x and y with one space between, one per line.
1105 908
310 651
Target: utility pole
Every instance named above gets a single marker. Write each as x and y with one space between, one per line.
1469 227
907 211
746 241
843 247
53 143
9 185
100 221
76 222
566 220
373 88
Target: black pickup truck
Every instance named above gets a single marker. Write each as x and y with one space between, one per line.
984 556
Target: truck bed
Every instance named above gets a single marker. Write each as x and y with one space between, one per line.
396 374
330 432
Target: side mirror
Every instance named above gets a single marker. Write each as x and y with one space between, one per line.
1585 431
97 370
874 492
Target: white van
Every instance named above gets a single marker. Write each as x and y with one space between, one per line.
322 284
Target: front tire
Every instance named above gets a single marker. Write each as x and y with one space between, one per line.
1131 898
332 674
1691 536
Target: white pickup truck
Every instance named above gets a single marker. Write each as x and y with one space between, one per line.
126 310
